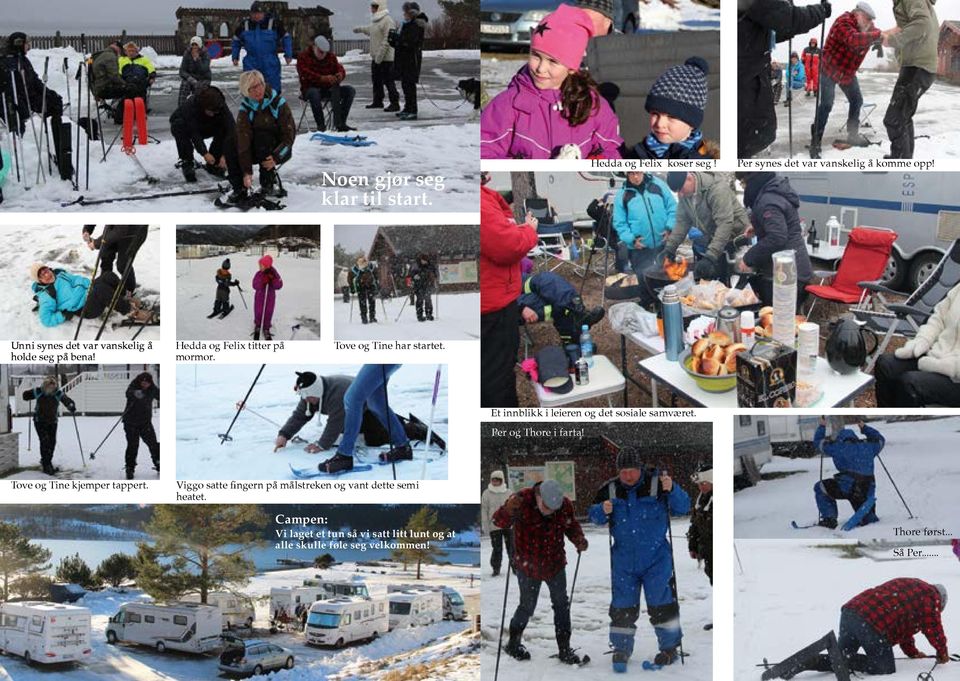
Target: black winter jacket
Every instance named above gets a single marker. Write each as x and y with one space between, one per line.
48 406
139 410
773 204
409 49
190 119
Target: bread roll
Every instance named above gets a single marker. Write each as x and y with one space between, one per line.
765 310
699 346
766 321
710 367
719 338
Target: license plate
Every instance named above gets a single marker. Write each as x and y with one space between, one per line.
494 28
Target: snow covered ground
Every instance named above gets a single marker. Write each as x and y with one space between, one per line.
206 399
109 463
591 602
456 317
790 595
932 120
447 124
921 458
444 644
298 302
61 247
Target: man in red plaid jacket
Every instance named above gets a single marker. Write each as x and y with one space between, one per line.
321 77
850 38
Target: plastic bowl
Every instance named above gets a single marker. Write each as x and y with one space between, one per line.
710 384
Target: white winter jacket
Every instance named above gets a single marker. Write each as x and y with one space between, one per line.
491 500
379 27
937 344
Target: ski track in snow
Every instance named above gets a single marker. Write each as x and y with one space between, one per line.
298 302
921 457
591 623
62 247
250 456
457 318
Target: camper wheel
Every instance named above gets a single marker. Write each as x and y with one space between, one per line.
448 616
161 647
289 664
258 670
376 635
921 267
339 643
895 274
27 658
112 638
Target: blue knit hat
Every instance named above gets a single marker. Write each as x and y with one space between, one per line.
681 92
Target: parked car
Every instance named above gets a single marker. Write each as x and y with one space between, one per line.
242 657
507 23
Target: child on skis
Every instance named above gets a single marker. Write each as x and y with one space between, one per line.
854 480
425 277
266 283
221 302
552 109
46 416
676 103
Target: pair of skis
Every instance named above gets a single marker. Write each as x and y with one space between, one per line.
221 315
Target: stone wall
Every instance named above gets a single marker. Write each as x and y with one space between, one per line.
219 24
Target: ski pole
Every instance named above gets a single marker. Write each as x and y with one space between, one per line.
386 402
402 307
79 77
895 486
573 586
18 133
503 616
226 436
673 569
83 201
93 454
242 299
118 291
790 88
86 299
736 552
433 408
83 63
295 438
13 142
351 308
43 116
816 113
79 444
33 127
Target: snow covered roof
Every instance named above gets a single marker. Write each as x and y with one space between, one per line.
407 241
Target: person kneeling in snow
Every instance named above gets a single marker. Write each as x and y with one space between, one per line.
854 480
266 283
138 421
546 296
61 296
541 517
49 397
637 505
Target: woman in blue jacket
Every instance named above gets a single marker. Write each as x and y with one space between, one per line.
636 505
61 296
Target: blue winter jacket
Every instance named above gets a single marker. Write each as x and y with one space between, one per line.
646 211
262 41
71 293
797 77
850 453
639 520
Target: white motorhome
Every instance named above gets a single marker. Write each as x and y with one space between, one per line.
188 627
453 606
751 448
236 610
343 587
793 434
44 632
285 599
339 621
415 608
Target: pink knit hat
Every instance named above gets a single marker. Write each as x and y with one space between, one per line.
563 35
266 261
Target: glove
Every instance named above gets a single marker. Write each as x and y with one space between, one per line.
706 268
582 546
72 408
943 658
827 9
68 315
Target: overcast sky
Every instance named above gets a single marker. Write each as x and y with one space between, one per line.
355 237
158 16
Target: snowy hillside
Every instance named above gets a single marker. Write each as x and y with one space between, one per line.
456 317
591 602
790 594
62 247
298 302
206 406
921 458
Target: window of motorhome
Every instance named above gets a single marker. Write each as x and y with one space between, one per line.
180 619
10 621
745 420
149 619
456 598
133 618
323 620
381 607
36 624
366 612
399 608
347 619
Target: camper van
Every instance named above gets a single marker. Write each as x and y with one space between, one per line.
334 588
415 608
188 627
237 611
751 448
453 606
793 434
44 632
339 621
285 599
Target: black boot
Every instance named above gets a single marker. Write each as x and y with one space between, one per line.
401 453
567 656
374 105
829 523
267 335
665 657
50 469
814 141
156 465
336 463
514 648
256 333
130 473
394 107
188 169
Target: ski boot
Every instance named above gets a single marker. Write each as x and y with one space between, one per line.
620 659
421 318
393 108
188 168
495 572
429 317
708 627
567 656
129 473
364 320
336 463
402 453
665 657
50 469
156 466
238 197
215 170
854 138
514 648
256 333
267 335
829 523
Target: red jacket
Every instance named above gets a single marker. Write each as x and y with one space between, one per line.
538 550
900 608
845 48
811 61
503 243
319 73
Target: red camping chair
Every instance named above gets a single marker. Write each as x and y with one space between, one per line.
864 261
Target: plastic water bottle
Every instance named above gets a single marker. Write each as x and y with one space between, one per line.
586 345
672 323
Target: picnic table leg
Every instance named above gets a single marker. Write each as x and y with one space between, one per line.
653 393
623 367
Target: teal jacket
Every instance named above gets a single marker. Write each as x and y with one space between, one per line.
647 212
67 293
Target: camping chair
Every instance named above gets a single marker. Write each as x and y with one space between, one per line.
864 260
552 244
905 319
865 111
326 107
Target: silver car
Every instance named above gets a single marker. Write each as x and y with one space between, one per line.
245 657
507 23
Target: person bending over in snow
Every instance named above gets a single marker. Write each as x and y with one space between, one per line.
546 296
424 278
201 117
221 302
636 505
61 296
138 421
46 415
541 517
365 283
117 243
877 620
854 480
266 283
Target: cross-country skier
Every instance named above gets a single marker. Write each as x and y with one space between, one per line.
201 117
540 517
266 131
700 534
118 244
854 479
636 505
365 282
425 279
221 302
369 390
262 36
546 296
878 619
491 500
46 416
138 421
266 283
61 296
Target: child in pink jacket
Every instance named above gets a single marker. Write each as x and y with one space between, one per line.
551 107
266 283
